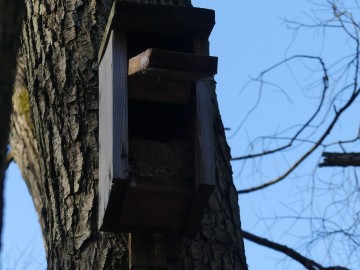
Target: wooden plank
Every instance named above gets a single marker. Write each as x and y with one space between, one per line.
155 209
172 75
108 221
165 19
204 154
196 211
171 65
204 131
173 61
152 89
120 106
105 132
160 19
201 46
204 145
113 140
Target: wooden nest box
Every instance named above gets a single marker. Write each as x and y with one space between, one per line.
157 166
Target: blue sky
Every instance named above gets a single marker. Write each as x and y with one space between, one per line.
249 37
22 240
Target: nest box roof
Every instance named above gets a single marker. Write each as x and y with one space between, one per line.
158 19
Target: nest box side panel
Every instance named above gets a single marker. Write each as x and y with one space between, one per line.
204 144
105 127
120 106
204 154
113 140
204 130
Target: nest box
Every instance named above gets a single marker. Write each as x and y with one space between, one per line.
157 166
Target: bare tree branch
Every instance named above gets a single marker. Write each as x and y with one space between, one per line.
335 223
306 262
340 159
310 120
338 112
309 152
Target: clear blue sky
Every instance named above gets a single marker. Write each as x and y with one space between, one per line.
249 37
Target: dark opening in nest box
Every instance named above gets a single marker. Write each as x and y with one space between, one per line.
157 166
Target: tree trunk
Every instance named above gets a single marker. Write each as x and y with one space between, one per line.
10 29
61 40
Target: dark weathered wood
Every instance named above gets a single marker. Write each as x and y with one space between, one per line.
181 66
120 107
201 46
166 74
161 19
158 75
152 89
204 154
113 136
195 213
340 159
148 208
204 144
205 132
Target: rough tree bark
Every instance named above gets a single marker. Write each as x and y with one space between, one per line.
10 29
60 45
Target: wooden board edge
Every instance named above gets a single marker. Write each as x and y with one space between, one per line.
110 219
157 60
205 18
120 7
106 35
204 137
197 209
139 62
120 106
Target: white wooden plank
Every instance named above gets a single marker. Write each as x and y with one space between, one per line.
105 131
113 124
